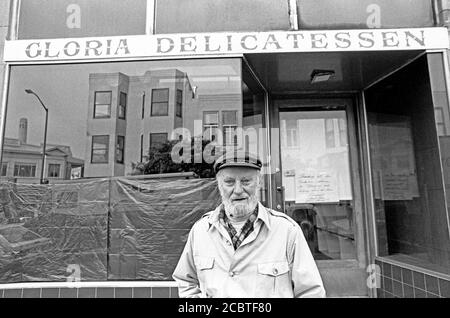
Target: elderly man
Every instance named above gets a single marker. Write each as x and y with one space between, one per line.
242 249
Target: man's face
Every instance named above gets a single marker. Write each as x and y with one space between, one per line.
238 187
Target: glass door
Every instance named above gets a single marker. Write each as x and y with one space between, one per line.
320 187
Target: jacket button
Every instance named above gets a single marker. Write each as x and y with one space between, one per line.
232 274
275 271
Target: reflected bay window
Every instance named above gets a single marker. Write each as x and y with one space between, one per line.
229 124
210 125
99 153
102 104
160 102
157 139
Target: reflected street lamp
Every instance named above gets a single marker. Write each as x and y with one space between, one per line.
29 91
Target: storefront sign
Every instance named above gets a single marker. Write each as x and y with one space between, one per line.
174 45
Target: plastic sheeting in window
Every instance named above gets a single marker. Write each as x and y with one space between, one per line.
150 221
98 229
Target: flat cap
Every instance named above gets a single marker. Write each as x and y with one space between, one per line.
237 159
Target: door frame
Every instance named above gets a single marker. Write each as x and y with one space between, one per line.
332 270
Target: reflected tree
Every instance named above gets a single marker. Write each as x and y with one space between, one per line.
159 160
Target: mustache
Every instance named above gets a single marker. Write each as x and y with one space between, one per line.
240 207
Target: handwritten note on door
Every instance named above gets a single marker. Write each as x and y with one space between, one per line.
316 186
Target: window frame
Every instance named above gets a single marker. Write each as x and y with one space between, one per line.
92 150
59 170
152 113
122 107
109 105
226 127
179 103
18 164
153 134
210 126
121 159
4 164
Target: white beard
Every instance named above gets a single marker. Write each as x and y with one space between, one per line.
239 210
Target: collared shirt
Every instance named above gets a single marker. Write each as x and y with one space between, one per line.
245 231
273 261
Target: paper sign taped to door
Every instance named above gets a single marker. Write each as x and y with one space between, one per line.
316 187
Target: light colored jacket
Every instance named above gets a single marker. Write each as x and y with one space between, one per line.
273 261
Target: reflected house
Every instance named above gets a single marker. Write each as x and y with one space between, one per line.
129 114
22 161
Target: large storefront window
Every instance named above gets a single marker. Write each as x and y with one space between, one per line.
125 197
44 19
408 116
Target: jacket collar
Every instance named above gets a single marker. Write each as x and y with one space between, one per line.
263 215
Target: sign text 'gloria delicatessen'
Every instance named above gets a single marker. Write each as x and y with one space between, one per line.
225 43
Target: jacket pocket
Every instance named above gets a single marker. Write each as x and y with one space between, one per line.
273 269
204 263
273 279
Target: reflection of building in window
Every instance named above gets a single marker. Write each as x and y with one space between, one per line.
4 169
100 149
171 105
440 121
291 133
120 148
25 170
157 139
102 105
342 132
335 132
122 105
179 104
329 133
54 170
160 102
210 125
229 125
22 161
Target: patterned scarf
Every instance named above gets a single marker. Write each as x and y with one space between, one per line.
236 238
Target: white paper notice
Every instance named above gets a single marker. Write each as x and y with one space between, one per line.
316 187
